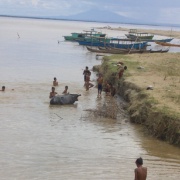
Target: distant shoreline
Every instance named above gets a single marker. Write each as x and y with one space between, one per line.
63 19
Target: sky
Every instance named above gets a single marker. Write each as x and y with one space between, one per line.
157 11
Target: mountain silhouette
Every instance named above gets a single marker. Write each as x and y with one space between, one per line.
99 16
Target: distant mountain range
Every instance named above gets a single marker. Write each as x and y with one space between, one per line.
97 16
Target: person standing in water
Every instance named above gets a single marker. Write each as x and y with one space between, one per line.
65 90
52 93
3 88
55 83
140 171
86 72
100 82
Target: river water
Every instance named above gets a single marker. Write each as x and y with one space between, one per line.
39 141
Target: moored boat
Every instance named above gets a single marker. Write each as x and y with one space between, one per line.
167 44
118 51
135 35
116 43
81 36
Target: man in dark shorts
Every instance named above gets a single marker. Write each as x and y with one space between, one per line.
100 82
140 171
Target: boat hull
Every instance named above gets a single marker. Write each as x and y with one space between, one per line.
115 45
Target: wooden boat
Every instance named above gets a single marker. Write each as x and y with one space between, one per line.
167 44
117 51
116 43
75 36
159 51
161 40
81 36
135 35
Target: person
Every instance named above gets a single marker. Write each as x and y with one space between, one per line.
108 89
113 90
55 83
121 71
52 93
140 171
86 72
100 82
3 88
65 90
87 82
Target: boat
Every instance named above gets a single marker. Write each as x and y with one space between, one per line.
111 42
81 36
161 40
118 51
74 36
135 50
135 35
167 44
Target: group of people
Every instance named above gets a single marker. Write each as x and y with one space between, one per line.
109 89
53 93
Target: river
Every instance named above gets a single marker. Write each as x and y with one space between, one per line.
39 141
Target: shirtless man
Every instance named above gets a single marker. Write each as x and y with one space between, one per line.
100 82
55 83
87 83
52 93
86 72
140 171
65 90
3 88
121 71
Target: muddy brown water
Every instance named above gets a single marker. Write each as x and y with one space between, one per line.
39 141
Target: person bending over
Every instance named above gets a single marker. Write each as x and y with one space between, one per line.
87 83
121 71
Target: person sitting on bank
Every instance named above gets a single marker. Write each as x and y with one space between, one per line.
107 88
52 93
55 83
113 90
140 171
3 88
121 71
65 90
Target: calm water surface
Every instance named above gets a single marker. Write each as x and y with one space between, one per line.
39 141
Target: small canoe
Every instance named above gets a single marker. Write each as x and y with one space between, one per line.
167 44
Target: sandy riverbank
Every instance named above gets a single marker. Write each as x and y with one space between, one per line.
169 33
157 109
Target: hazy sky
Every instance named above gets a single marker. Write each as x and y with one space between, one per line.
164 11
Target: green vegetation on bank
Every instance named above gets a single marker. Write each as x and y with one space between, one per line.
158 109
